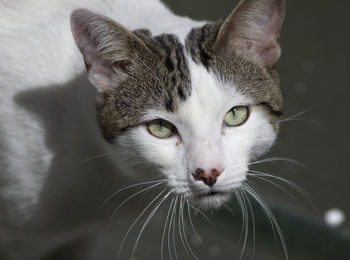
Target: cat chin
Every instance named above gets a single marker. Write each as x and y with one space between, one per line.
211 200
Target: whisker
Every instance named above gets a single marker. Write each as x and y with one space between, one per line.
125 188
245 223
174 229
93 158
302 192
294 117
238 197
229 209
129 198
171 228
197 210
179 227
155 209
298 119
181 209
271 182
193 227
274 224
165 229
274 159
136 220
253 222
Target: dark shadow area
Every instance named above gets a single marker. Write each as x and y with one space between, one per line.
82 173
82 165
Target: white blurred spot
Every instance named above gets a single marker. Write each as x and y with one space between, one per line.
334 217
215 251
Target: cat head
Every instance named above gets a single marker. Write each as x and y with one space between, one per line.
197 112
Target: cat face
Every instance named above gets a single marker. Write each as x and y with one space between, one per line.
196 112
202 141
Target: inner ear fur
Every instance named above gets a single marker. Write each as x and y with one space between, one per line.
252 31
109 49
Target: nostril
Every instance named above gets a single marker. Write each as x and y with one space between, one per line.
208 179
199 171
199 175
215 173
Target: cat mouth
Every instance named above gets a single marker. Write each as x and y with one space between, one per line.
211 199
212 193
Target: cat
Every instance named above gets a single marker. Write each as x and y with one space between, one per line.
189 103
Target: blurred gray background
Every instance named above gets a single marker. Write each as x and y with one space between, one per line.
314 71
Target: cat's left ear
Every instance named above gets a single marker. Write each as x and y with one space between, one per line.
110 50
252 31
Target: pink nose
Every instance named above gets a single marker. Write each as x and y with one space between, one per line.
208 179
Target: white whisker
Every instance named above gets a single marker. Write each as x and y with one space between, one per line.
171 228
245 221
294 117
125 188
229 209
237 195
253 222
165 229
182 220
93 158
298 119
125 201
274 184
180 228
155 209
174 229
263 176
274 159
274 224
197 210
136 220
193 227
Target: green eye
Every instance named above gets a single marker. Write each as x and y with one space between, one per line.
161 128
236 116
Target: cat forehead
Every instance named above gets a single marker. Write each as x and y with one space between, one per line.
209 101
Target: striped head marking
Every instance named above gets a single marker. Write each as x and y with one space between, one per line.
196 112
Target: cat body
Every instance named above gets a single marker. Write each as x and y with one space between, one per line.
37 50
58 162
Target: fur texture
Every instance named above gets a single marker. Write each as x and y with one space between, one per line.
150 64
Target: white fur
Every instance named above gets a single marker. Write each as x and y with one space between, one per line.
45 152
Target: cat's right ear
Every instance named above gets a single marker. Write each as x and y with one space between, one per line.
109 49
